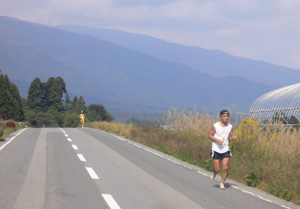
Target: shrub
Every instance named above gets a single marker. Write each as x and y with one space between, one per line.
251 179
285 194
1 130
11 124
208 164
71 120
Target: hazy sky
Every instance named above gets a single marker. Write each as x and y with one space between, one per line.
267 30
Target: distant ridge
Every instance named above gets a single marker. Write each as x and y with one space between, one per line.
213 62
122 79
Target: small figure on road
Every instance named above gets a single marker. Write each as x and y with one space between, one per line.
220 133
81 116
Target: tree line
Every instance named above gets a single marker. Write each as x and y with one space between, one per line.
47 104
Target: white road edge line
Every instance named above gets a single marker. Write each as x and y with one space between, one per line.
74 146
92 173
69 139
260 197
204 174
80 156
66 135
1 148
118 137
110 201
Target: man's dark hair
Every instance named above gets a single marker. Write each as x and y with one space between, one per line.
224 112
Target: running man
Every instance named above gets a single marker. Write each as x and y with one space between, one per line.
81 116
220 134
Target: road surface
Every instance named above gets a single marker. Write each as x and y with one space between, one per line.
86 168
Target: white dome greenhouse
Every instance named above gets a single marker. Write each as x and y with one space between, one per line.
283 102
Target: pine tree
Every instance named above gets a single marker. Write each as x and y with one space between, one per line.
68 102
18 113
55 88
73 105
36 96
5 97
98 113
10 100
80 105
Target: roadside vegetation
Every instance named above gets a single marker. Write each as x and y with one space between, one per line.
7 127
266 157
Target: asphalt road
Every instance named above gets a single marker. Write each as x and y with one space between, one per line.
86 168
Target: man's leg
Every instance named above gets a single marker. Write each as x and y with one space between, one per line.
225 163
216 165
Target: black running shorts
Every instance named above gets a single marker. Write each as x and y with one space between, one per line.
219 156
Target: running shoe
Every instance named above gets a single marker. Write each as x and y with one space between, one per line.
222 186
213 176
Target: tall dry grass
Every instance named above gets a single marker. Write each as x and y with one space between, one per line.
272 153
267 157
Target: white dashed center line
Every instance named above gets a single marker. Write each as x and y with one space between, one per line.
80 156
107 197
92 173
110 201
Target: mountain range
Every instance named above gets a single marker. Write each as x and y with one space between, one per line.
213 62
133 73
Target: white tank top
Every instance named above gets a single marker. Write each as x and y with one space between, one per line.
223 134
